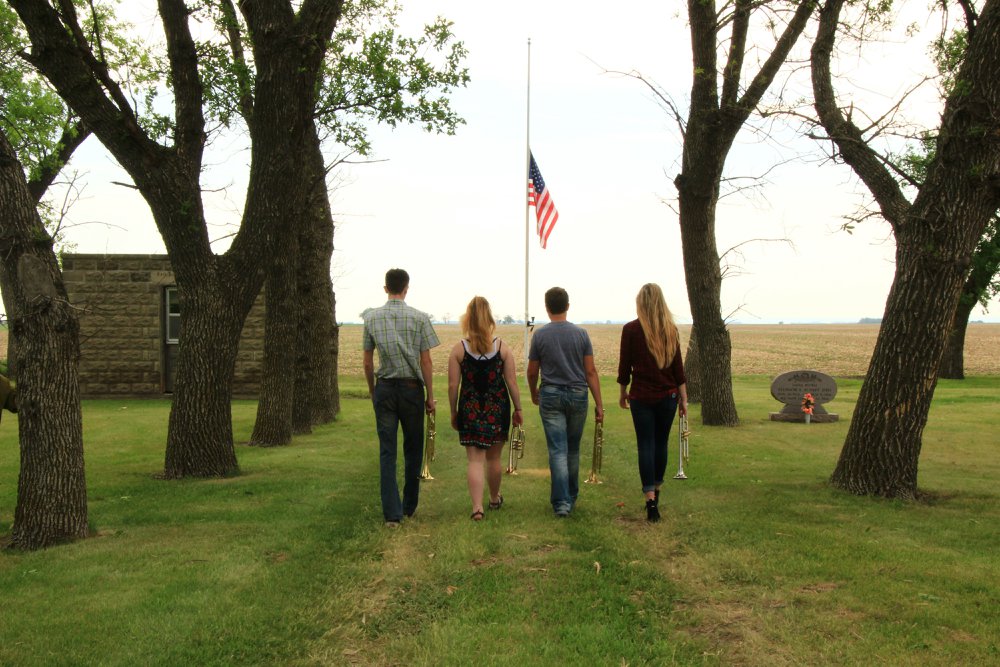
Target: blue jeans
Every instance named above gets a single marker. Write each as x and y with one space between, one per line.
652 423
398 403
564 414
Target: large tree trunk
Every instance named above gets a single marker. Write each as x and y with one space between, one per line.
692 369
51 489
704 283
200 432
714 119
935 238
273 427
979 286
317 394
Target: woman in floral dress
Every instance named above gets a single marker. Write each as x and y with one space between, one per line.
482 383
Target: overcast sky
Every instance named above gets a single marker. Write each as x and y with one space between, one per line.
451 210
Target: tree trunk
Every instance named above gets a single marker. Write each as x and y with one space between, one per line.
697 198
980 286
692 370
317 394
953 360
51 490
935 239
714 119
200 432
882 450
273 427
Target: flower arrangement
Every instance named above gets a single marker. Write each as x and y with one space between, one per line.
808 403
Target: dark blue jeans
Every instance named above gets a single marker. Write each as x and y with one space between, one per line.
564 414
652 423
399 404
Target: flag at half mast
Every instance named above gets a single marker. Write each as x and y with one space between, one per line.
546 214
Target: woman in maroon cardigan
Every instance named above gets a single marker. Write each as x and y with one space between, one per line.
651 361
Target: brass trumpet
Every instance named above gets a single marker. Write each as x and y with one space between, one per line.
598 456
684 447
425 471
515 444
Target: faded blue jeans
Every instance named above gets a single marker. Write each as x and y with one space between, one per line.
652 423
564 414
399 402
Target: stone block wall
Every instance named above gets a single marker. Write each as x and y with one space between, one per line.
121 298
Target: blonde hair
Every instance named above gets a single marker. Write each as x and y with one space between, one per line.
478 325
657 324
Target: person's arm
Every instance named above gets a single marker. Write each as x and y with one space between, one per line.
510 378
624 370
427 370
594 382
454 376
369 365
677 368
533 380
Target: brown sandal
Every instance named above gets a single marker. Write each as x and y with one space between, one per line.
498 504
477 515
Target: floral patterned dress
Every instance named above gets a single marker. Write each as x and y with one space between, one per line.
483 400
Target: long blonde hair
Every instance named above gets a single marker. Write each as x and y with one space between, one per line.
657 324
478 325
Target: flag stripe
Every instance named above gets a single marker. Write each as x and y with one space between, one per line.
546 214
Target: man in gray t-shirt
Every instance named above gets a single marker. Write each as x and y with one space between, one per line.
563 353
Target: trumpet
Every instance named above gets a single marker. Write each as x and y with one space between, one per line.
515 444
425 471
684 447
598 456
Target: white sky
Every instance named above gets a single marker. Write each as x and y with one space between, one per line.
451 210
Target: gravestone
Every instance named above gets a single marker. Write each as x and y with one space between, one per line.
789 388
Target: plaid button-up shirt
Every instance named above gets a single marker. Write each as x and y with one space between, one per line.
400 333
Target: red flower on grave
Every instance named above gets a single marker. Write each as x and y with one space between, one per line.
808 403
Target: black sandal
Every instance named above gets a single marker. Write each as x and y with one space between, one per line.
498 504
477 515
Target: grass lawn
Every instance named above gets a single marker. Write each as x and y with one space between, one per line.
757 561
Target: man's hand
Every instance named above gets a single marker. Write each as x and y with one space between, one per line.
599 414
431 405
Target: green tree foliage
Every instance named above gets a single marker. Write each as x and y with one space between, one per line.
372 73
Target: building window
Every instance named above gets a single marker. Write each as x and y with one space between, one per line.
172 300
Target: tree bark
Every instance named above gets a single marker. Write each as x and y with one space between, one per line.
273 426
980 286
953 360
51 490
692 370
935 238
317 393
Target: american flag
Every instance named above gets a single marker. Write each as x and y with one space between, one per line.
546 214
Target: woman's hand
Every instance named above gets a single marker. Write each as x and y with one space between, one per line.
518 418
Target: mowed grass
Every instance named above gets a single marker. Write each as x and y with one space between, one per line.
757 562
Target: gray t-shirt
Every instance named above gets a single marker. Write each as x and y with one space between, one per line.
560 347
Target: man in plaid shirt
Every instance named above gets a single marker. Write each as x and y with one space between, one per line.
404 338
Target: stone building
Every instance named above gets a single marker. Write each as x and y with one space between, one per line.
129 323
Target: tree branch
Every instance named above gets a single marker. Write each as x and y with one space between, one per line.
71 139
842 131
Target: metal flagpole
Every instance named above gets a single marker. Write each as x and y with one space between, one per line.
527 227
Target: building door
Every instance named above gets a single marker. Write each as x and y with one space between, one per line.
171 336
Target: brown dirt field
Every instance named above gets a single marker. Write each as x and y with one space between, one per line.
841 350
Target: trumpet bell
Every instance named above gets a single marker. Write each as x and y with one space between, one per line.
683 446
429 449
515 449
